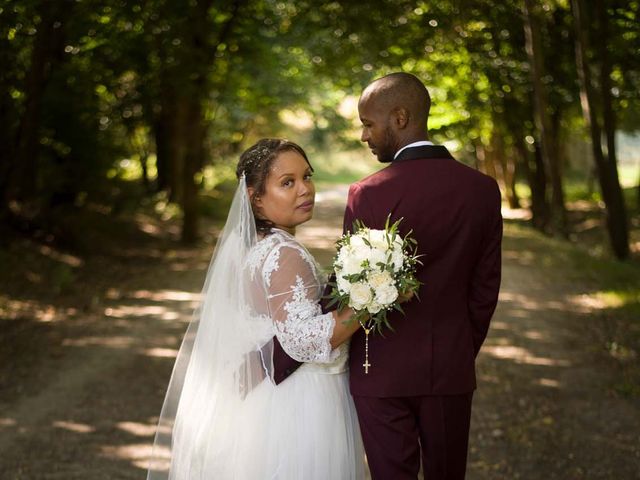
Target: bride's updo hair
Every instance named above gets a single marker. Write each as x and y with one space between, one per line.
256 161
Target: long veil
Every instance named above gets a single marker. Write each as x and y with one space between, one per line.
226 353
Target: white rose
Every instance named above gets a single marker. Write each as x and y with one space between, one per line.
377 255
343 253
397 259
374 308
378 280
378 239
344 286
356 241
360 295
360 255
351 264
386 295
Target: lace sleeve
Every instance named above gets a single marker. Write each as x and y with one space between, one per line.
294 292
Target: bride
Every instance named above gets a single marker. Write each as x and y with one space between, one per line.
223 415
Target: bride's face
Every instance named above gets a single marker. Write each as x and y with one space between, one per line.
289 193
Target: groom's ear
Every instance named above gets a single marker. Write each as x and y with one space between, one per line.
400 117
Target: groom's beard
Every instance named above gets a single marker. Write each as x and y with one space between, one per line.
386 152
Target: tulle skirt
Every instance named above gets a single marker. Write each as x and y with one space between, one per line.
304 428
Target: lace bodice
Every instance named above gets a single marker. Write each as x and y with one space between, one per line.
293 283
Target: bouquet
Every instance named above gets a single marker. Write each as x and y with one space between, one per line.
373 269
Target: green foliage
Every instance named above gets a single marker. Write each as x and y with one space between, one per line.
128 81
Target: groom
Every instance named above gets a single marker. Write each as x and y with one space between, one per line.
415 401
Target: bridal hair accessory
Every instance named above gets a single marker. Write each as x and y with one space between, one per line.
260 154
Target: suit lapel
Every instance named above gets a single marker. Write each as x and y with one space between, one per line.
424 151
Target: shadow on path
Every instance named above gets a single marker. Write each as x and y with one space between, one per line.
86 406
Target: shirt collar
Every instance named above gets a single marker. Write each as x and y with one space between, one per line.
414 144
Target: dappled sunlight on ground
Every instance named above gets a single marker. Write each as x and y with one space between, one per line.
541 392
162 295
521 355
586 303
161 352
138 454
88 367
155 295
526 302
516 213
138 429
548 382
127 311
70 260
12 308
74 426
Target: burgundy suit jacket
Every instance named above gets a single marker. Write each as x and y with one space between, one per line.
454 213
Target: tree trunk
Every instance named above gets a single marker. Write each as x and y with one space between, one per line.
537 180
7 115
559 158
144 159
510 167
47 42
504 167
198 56
618 207
7 111
606 165
160 132
489 165
193 159
542 120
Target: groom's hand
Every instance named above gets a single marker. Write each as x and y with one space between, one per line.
405 297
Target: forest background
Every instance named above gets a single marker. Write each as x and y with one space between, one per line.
121 122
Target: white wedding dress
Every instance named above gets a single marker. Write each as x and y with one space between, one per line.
305 427
223 417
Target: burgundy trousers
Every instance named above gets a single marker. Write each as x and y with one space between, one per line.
398 432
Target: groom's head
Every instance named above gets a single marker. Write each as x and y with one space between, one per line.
393 110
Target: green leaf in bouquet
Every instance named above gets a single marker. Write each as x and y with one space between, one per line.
357 225
355 277
380 321
332 301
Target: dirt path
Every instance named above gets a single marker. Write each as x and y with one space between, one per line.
544 408
81 398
